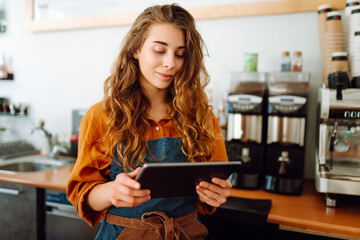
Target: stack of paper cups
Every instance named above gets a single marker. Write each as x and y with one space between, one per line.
354 25
333 40
322 11
350 4
355 54
339 62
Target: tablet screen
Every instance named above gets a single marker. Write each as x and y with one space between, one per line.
180 179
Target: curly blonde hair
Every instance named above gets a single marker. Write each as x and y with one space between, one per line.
127 105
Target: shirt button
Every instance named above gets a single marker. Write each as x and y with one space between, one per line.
157 128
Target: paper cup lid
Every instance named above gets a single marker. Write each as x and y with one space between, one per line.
351 1
322 7
339 54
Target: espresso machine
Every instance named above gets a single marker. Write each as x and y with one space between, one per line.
287 107
337 167
246 105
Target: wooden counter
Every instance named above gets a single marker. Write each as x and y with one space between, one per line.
305 213
308 212
53 179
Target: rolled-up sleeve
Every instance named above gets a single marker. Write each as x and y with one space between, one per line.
92 165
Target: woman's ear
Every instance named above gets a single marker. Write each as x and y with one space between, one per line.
136 55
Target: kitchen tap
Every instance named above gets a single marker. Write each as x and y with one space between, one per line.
54 150
48 135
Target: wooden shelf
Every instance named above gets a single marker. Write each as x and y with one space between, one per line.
236 9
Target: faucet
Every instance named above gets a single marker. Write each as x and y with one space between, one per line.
54 150
48 135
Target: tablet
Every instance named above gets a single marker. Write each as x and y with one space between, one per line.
180 179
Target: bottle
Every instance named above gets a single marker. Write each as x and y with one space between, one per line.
297 62
74 145
250 62
2 17
3 69
9 67
285 62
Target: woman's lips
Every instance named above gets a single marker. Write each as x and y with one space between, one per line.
165 76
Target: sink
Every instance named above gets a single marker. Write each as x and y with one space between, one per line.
31 164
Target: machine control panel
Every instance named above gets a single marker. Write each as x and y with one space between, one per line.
287 103
243 102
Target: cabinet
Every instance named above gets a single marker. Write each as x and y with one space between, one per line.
62 221
23 212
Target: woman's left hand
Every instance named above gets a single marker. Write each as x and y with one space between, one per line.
214 193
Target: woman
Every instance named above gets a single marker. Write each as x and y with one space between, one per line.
154 109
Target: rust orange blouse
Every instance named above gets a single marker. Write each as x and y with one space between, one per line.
92 166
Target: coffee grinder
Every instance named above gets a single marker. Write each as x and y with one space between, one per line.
245 128
287 106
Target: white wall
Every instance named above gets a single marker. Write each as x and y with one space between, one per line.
56 72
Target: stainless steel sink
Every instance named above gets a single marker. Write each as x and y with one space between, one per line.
32 163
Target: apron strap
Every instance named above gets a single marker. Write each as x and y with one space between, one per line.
152 220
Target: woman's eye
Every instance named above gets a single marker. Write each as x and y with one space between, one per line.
177 55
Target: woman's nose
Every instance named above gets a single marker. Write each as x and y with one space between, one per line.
169 61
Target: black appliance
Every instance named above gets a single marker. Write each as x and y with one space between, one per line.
287 107
245 140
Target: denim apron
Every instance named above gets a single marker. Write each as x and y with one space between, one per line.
160 210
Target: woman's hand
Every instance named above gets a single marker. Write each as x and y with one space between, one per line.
214 193
126 192
123 192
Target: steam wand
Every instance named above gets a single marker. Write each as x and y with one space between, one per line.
332 143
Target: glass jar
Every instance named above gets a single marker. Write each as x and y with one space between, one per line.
297 62
250 62
285 62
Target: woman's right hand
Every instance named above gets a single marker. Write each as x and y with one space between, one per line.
123 192
126 192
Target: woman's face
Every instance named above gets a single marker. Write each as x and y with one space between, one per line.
161 57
